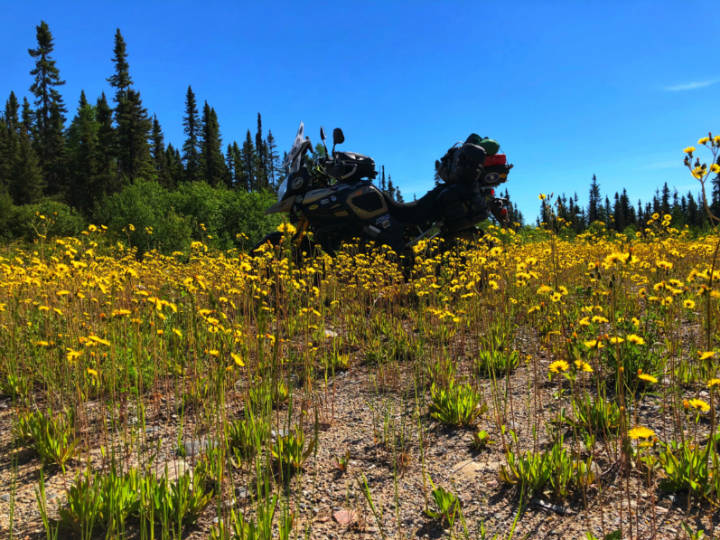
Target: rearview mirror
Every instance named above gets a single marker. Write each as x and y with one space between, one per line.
338 137
322 134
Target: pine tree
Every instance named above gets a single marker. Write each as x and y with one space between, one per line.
665 201
607 213
83 157
237 175
272 160
211 154
594 209
248 164
159 156
9 141
27 122
107 179
120 80
229 165
26 178
261 176
176 171
50 112
191 124
131 119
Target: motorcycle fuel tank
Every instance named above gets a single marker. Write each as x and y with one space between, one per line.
363 200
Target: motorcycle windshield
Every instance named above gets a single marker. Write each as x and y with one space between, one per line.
293 161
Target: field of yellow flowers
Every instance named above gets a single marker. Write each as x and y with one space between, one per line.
518 386
524 385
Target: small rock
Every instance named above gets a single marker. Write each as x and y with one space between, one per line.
330 333
345 518
172 470
241 493
466 470
194 447
5 497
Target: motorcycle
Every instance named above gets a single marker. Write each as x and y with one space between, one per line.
331 195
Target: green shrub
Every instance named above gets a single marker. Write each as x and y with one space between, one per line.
47 218
147 207
169 220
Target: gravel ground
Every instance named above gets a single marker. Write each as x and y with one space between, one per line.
329 503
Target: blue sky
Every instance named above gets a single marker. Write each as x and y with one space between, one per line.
570 89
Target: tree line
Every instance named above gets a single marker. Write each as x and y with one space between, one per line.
109 143
619 213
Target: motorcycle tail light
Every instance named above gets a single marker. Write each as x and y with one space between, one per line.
497 159
492 192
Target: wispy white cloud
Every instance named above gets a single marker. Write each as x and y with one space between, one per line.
693 85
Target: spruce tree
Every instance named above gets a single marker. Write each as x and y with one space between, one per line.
50 111
83 157
26 178
248 163
272 158
229 165
9 141
261 176
159 157
107 178
175 167
26 119
594 209
211 154
191 124
132 121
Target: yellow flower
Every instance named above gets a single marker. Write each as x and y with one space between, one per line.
637 340
704 140
713 382
213 352
236 358
689 150
99 340
647 378
583 366
715 168
286 228
542 196
131 227
599 319
698 404
92 372
640 432
699 171
544 289
690 304
615 340
177 332
559 365
706 355
593 343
